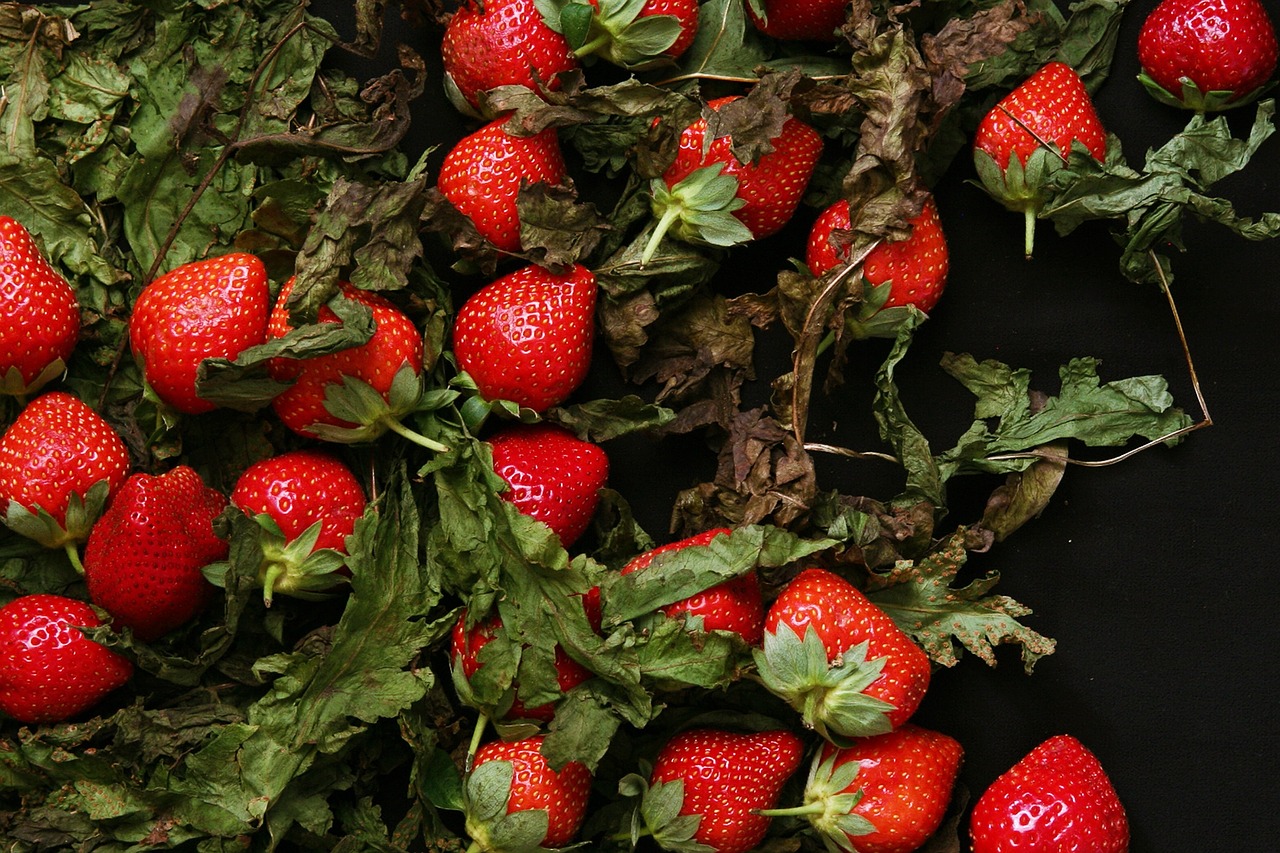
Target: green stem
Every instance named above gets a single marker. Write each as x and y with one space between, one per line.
73 554
669 216
274 571
416 437
815 807
824 344
1029 230
592 46
481 723
626 836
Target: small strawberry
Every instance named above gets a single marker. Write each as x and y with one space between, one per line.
627 33
707 195
215 308
721 781
1207 54
143 560
1056 798
515 801
307 502
1029 134
49 670
551 474
527 336
500 43
39 315
60 462
799 20
839 659
482 174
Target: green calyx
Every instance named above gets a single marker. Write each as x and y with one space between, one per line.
41 527
357 402
829 800
658 815
295 568
698 209
492 830
12 383
612 30
1192 97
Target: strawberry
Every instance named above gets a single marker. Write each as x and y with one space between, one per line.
482 174
799 20
143 560
839 659
725 779
1207 54
1056 798
215 308
527 336
307 502
511 779
49 670
627 33
709 196
1029 134
500 43
39 314
60 461
551 474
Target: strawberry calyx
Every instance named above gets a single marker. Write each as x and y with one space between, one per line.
37 524
1020 186
697 209
492 829
658 816
13 384
829 801
357 402
1192 97
613 30
291 567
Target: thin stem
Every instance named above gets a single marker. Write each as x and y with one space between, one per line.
73 554
416 437
815 807
592 46
473 746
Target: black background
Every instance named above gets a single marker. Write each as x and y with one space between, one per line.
1154 575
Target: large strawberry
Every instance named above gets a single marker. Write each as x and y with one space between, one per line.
49 670
799 20
551 475
500 43
483 172
1207 54
143 560
60 461
215 308
707 195
516 801
527 336
1057 797
629 33
1029 134
39 314
307 502
839 659
725 779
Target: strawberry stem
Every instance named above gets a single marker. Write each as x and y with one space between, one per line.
592 46
815 807
416 437
1029 230
670 214
73 554
275 571
481 723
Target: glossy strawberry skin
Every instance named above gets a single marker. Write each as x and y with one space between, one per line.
482 174
143 560
298 488
39 314
726 777
49 670
552 475
1057 797
215 308
535 785
801 20
917 267
528 335
1051 105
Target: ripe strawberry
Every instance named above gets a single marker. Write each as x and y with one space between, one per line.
49 670
630 34
500 43
512 778
527 336
800 20
215 308
60 462
1028 135
1056 798
143 559
39 315
1207 54
307 502
727 779
870 679
482 174
552 475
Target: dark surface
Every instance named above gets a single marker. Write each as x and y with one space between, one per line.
1154 575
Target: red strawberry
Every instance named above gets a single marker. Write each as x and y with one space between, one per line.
914 269
727 779
482 174
60 461
39 315
500 43
707 195
143 559
872 676
552 475
800 20
215 308
1056 798
49 670
512 778
1011 147
1207 54
527 336
307 502
625 32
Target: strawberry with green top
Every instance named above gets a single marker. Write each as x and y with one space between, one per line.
799 20
515 801
635 34
39 314
1029 134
